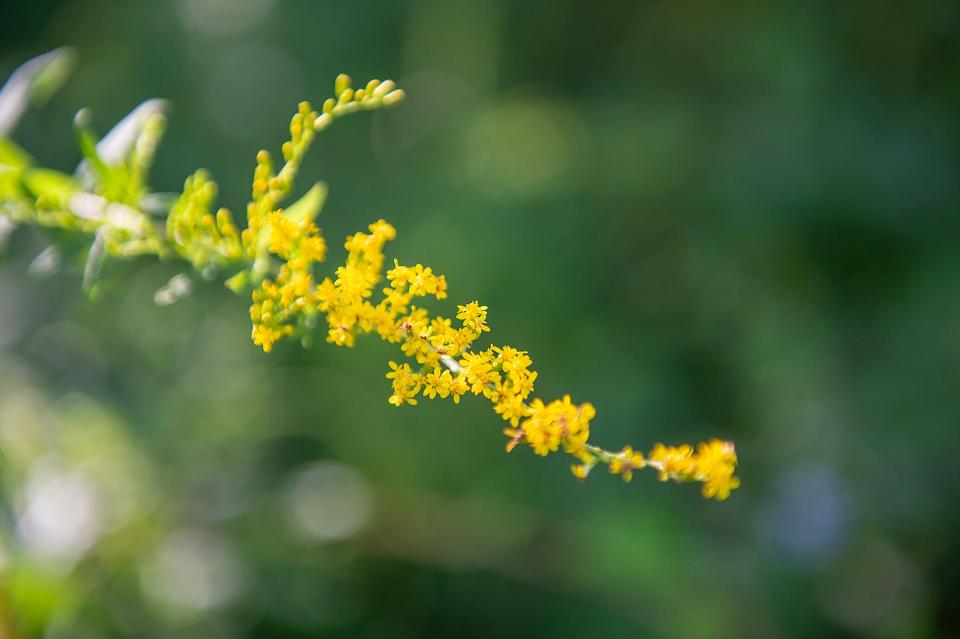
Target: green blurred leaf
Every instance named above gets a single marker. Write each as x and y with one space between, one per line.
35 80
38 593
308 206
52 75
116 165
87 142
12 155
117 144
49 183
94 264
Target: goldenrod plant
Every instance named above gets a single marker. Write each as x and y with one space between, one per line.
273 259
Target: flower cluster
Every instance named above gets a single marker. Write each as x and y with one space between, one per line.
444 363
713 463
274 259
287 303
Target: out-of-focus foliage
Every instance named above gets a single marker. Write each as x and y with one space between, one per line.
707 218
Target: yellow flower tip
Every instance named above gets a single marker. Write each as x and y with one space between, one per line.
580 471
383 89
341 84
394 97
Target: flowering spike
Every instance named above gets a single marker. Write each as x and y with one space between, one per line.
275 257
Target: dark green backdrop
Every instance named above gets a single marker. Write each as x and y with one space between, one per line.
708 219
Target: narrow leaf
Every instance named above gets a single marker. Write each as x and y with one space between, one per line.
49 183
12 155
87 141
308 206
117 143
37 79
94 265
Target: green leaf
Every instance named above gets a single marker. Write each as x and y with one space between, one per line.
118 162
87 142
46 263
308 206
94 264
94 170
116 145
35 80
52 75
12 155
239 282
49 183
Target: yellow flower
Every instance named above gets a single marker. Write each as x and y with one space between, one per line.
478 368
673 462
418 280
433 384
444 341
521 382
511 408
713 464
266 336
625 462
510 359
580 471
587 461
473 316
558 423
327 294
458 387
716 463
406 384
444 384
313 248
284 234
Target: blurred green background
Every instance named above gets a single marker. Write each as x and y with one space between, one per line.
708 219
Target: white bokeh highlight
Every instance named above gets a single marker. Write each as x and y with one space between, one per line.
224 17
328 501
61 513
193 571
